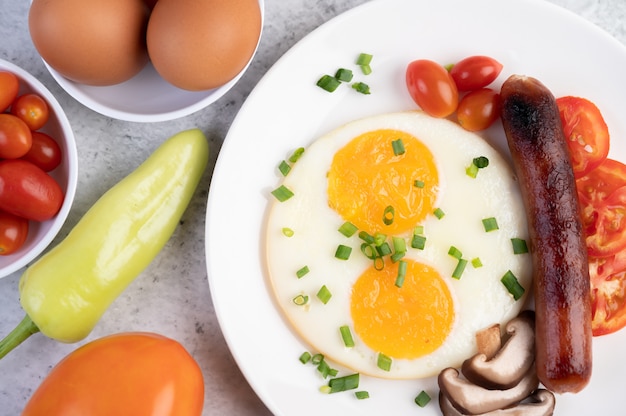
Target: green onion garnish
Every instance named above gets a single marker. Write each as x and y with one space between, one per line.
471 170
418 241
302 272
368 238
389 214
519 246
282 193
379 239
399 244
379 263
383 362
384 249
439 213
317 358
398 147
348 229
326 370
477 263
287 232
343 252
455 252
422 399
419 229
364 59
418 183
324 295
301 300
512 285
344 75
490 224
460 267
344 383
480 162
368 250
305 357
296 154
401 273
360 395
366 69
346 336
361 87
328 83
284 168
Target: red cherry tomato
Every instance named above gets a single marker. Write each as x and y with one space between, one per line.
27 191
586 131
478 109
15 137
608 293
9 86
13 233
138 374
475 72
432 88
32 109
44 152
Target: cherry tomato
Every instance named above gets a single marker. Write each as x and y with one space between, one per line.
32 109
432 88
44 152
15 137
9 86
475 72
608 293
602 198
27 191
586 131
138 374
13 233
478 109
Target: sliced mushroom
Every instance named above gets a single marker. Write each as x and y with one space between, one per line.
513 360
489 341
541 404
474 399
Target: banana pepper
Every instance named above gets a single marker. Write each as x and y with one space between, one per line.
67 290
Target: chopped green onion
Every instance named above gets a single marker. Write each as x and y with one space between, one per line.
326 370
328 83
344 383
512 285
383 362
369 251
360 395
419 229
325 389
301 300
282 193
418 241
305 357
379 239
324 294
389 214
346 336
455 252
399 244
480 162
284 168
471 170
344 75
422 399
368 238
379 263
519 246
490 224
343 252
366 69
287 232
439 213
302 272
402 265
477 263
364 59
418 183
460 267
397 255
383 249
361 87
398 147
317 358
295 156
348 229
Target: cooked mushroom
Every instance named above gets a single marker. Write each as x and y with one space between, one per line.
513 360
489 341
474 399
541 404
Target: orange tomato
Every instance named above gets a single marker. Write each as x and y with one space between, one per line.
138 374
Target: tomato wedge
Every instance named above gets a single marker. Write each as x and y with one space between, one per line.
586 131
608 293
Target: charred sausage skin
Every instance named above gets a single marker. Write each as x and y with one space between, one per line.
540 156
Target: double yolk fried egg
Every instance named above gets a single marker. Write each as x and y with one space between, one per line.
431 240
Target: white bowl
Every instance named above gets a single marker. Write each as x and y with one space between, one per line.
146 97
41 234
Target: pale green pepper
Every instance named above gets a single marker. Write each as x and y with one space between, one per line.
67 290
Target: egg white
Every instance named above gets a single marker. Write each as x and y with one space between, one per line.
479 297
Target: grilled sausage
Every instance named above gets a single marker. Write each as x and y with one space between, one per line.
540 156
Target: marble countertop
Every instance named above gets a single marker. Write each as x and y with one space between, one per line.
162 299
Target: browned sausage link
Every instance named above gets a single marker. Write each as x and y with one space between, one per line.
561 276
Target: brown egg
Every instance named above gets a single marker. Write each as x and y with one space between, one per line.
202 44
95 42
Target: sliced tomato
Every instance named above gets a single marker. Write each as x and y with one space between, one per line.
586 132
602 197
608 293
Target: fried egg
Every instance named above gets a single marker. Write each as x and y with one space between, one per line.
399 179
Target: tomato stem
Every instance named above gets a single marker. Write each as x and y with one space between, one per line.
22 331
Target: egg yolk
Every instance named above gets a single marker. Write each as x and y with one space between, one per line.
404 322
379 188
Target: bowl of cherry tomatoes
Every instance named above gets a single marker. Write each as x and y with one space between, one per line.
38 167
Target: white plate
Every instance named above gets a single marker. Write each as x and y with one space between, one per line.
287 110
